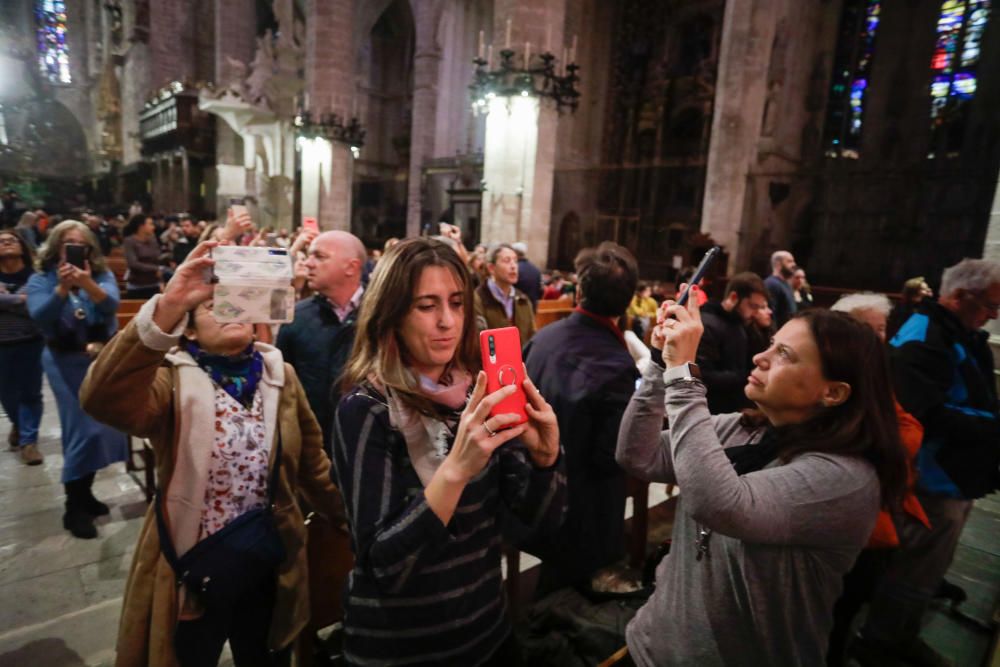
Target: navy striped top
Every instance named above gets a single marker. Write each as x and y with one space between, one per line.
422 592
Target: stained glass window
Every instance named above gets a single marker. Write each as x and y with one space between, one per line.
960 29
851 77
53 52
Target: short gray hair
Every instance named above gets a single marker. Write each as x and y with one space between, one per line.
777 256
854 303
971 275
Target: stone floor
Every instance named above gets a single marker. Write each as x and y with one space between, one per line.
60 597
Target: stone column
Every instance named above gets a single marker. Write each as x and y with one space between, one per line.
991 250
426 71
330 87
521 133
740 94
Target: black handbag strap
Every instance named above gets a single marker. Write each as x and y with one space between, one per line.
167 544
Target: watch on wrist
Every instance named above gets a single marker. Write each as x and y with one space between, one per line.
686 372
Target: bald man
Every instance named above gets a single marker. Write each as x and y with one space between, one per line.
318 342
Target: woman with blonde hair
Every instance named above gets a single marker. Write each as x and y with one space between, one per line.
75 308
418 456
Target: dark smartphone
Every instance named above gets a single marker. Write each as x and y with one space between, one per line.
699 273
77 254
501 351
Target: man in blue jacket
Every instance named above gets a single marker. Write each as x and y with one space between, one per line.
943 375
318 341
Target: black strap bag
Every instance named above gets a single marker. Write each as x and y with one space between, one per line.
238 559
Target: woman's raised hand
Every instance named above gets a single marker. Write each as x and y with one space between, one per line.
541 436
679 331
187 288
479 434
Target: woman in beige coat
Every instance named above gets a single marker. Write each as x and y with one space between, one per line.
215 444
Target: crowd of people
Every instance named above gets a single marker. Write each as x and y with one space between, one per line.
826 458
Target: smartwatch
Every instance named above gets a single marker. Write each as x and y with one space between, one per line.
687 372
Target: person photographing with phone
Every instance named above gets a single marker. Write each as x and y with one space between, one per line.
774 507
73 298
426 465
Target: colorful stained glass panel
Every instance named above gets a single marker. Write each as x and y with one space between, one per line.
53 52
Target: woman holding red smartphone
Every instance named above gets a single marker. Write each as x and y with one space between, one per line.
417 453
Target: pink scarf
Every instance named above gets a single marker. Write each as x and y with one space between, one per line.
428 439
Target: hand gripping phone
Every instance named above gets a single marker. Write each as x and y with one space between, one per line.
501 351
76 254
699 273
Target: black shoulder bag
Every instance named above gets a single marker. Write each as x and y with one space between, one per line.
238 559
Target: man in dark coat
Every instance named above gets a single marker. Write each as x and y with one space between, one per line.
318 342
779 292
943 375
529 277
724 353
582 367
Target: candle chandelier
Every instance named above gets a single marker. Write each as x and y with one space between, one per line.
525 74
331 127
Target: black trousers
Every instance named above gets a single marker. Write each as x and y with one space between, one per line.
245 623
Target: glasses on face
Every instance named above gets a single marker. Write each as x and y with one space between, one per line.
984 303
8 240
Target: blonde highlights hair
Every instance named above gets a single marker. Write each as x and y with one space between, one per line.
379 351
50 254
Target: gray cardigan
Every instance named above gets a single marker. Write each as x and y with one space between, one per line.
783 538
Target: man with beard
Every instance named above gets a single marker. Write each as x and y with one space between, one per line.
779 292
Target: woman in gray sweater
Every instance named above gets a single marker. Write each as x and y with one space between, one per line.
772 511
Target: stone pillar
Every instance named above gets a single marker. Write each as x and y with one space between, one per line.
520 148
740 94
991 250
426 71
330 88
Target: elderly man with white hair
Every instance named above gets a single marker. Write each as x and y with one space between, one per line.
943 375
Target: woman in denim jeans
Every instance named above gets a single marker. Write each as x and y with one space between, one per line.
21 346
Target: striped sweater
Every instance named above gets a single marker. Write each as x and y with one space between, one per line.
422 592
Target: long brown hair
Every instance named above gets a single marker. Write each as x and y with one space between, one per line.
49 254
864 425
378 348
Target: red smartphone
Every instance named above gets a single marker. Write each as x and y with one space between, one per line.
501 351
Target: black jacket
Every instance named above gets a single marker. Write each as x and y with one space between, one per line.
586 374
317 345
943 376
724 359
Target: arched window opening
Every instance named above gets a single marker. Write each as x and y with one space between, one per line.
960 28
851 77
53 51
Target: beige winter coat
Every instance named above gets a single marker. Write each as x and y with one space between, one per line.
135 386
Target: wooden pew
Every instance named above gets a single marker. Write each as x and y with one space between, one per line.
552 310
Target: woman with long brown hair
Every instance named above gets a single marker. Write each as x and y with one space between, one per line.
75 308
772 513
418 457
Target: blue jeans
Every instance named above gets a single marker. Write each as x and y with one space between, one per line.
21 387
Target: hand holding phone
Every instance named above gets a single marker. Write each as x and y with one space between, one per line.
310 224
699 273
76 254
501 353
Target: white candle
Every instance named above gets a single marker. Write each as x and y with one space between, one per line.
489 57
306 102
506 43
527 55
480 52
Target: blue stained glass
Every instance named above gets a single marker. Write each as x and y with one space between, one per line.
851 74
53 52
964 85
